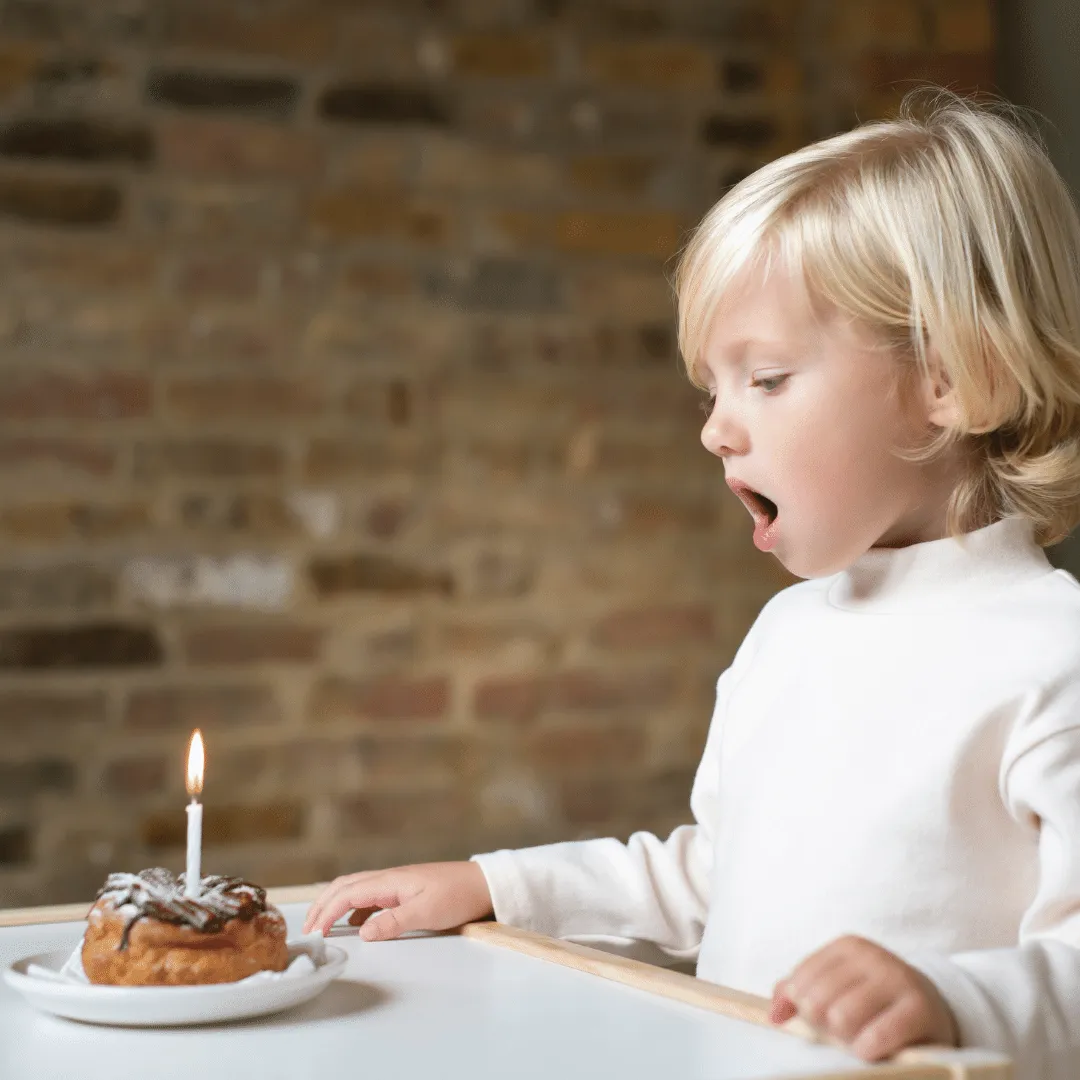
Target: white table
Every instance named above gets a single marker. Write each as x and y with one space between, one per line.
445 1006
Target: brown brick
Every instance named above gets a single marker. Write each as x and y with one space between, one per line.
383 103
16 845
213 645
181 708
665 625
652 800
741 132
334 459
657 65
121 266
255 512
28 778
648 512
54 201
245 398
650 233
138 776
522 698
51 712
613 174
385 517
76 456
892 24
302 35
59 396
574 748
207 459
102 644
409 759
71 585
226 825
18 63
465 166
960 72
389 698
55 521
403 813
204 209
502 55
219 277
963 26
332 576
237 149
78 140
345 213
376 401
253 95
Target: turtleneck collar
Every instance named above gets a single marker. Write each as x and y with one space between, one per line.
940 571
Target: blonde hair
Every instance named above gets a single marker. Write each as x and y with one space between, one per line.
947 232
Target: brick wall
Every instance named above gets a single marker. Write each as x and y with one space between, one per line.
340 414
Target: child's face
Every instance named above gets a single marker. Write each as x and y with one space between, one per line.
804 413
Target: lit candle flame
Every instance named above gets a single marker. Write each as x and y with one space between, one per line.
196 760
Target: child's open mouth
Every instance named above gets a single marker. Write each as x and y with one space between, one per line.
762 509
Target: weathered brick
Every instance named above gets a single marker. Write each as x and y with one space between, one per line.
303 35
963 26
385 517
259 582
251 338
19 61
145 775
893 24
122 266
70 84
383 103
743 132
59 521
344 213
649 512
614 174
335 459
502 55
376 401
209 209
213 645
16 845
466 166
664 625
71 585
207 458
961 72
600 232
78 140
53 201
742 76
219 277
181 708
274 97
50 712
573 748
56 454
499 284
255 512
522 698
244 398
227 825
30 778
100 644
658 65
656 799
389 698
60 396
403 813
333 575
233 148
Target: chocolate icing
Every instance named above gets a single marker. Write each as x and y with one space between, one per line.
156 894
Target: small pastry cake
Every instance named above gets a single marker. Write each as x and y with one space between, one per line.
143 931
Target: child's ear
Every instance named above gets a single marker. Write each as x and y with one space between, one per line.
939 397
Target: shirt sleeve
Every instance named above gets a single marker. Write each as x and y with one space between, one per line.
647 898
1025 1001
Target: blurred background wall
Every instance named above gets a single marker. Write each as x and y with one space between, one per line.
341 417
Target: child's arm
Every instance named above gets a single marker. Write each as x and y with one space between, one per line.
1025 1001
605 892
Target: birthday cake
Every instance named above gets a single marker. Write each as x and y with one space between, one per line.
143 931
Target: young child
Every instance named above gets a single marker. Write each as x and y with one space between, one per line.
886 831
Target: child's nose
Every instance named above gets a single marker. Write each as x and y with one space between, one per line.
723 434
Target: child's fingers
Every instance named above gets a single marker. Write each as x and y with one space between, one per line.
336 899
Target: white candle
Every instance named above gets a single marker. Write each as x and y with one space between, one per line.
196 761
194 848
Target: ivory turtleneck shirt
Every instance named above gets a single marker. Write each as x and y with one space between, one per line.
894 753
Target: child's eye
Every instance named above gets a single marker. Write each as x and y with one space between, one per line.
770 382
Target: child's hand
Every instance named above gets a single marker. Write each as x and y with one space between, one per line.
866 997
429 896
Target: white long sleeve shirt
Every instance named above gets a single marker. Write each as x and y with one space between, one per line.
894 753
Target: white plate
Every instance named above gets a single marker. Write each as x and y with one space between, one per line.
161 1006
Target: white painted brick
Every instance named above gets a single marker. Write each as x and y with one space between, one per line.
243 581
